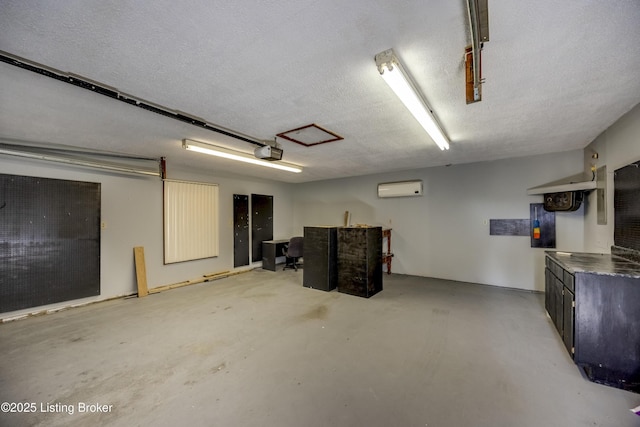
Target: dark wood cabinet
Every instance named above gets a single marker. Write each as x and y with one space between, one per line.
607 329
553 293
568 319
320 258
271 250
596 313
360 260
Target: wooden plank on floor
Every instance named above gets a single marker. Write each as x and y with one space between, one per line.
141 271
205 278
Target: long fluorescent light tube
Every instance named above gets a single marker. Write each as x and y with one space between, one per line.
78 162
212 150
394 75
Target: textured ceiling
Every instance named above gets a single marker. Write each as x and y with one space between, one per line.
556 75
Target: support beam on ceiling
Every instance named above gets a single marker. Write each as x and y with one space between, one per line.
478 13
96 160
114 93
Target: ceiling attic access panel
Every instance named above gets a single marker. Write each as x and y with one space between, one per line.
310 135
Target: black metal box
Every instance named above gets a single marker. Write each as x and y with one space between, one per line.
320 258
360 260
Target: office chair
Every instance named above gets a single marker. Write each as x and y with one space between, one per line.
293 251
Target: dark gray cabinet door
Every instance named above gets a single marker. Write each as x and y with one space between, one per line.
553 299
607 329
568 315
548 277
320 258
557 304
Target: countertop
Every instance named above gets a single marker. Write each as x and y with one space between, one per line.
607 264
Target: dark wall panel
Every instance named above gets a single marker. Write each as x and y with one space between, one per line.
509 227
626 204
547 221
49 241
240 230
261 223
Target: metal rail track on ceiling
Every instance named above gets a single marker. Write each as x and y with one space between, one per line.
114 93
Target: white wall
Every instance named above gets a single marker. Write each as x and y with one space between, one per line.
442 234
617 146
132 211
445 233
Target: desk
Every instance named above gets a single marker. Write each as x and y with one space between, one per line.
271 249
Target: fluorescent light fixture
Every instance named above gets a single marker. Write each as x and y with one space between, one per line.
213 150
397 78
65 156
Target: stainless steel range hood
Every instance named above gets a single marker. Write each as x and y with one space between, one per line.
572 183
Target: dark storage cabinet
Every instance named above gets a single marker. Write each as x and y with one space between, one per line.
553 293
320 258
607 329
271 250
568 320
596 313
360 260
559 301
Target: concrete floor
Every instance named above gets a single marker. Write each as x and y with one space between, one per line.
258 349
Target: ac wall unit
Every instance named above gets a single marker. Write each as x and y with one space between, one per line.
400 189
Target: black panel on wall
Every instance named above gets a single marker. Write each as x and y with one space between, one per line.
240 230
509 227
49 241
626 203
261 223
547 224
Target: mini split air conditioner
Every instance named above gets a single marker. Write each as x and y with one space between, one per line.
400 189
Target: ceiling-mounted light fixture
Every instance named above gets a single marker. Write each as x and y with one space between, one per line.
86 158
213 150
399 80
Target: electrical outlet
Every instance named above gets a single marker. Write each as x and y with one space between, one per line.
103 225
